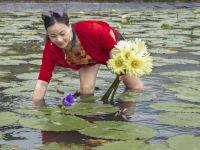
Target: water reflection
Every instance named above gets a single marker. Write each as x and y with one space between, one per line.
126 110
67 137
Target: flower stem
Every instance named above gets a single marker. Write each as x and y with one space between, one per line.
112 88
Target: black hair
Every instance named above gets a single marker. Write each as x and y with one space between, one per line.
51 17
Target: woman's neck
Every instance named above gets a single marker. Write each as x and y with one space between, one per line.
72 43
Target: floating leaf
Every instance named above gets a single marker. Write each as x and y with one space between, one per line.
118 130
35 62
4 73
194 73
166 26
8 61
54 122
159 61
36 110
125 19
8 118
176 107
184 142
121 145
59 146
50 146
136 96
1 135
185 93
180 119
156 147
90 109
28 76
10 147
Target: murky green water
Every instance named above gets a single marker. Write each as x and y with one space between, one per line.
175 77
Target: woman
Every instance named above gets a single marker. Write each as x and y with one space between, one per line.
81 46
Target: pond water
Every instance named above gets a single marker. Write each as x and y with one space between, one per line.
172 32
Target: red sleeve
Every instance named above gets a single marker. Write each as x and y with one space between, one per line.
107 41
48 64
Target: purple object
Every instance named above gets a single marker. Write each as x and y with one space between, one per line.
68 100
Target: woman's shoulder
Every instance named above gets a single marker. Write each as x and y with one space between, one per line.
90 25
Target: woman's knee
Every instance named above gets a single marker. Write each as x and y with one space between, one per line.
132 83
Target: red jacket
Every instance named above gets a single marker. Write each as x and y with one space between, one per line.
95 40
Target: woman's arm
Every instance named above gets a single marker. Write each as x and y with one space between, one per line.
39 92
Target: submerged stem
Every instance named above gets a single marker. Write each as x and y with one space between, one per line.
111 89
114 89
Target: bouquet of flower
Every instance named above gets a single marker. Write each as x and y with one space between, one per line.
129 57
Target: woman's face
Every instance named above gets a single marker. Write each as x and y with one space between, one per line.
60 34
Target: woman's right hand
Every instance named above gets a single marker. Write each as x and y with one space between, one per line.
39 92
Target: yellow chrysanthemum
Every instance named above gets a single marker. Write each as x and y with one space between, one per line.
123 45
138 67
126 54
131 57
148 64
139 46
116 64
134 67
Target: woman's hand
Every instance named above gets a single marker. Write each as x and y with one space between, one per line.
39 92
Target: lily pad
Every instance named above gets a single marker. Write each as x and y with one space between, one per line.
36 110
184 142
156 147
7 61
54 122
8 118
166 26
50 146
159 61
59 146
1 135
176 107
90 109
4 73
185 93
121 145
10 147
180 119
136 96
28 76
196 48
191 74
118 130
35 62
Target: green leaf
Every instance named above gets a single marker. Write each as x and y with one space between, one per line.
166 26
135 96
121 145
156 147
118 130
183 73
51 146
9 147
8 118
36 110
184 142
185 93
54 122
180 119
59 146
90 109
1 135
176 107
